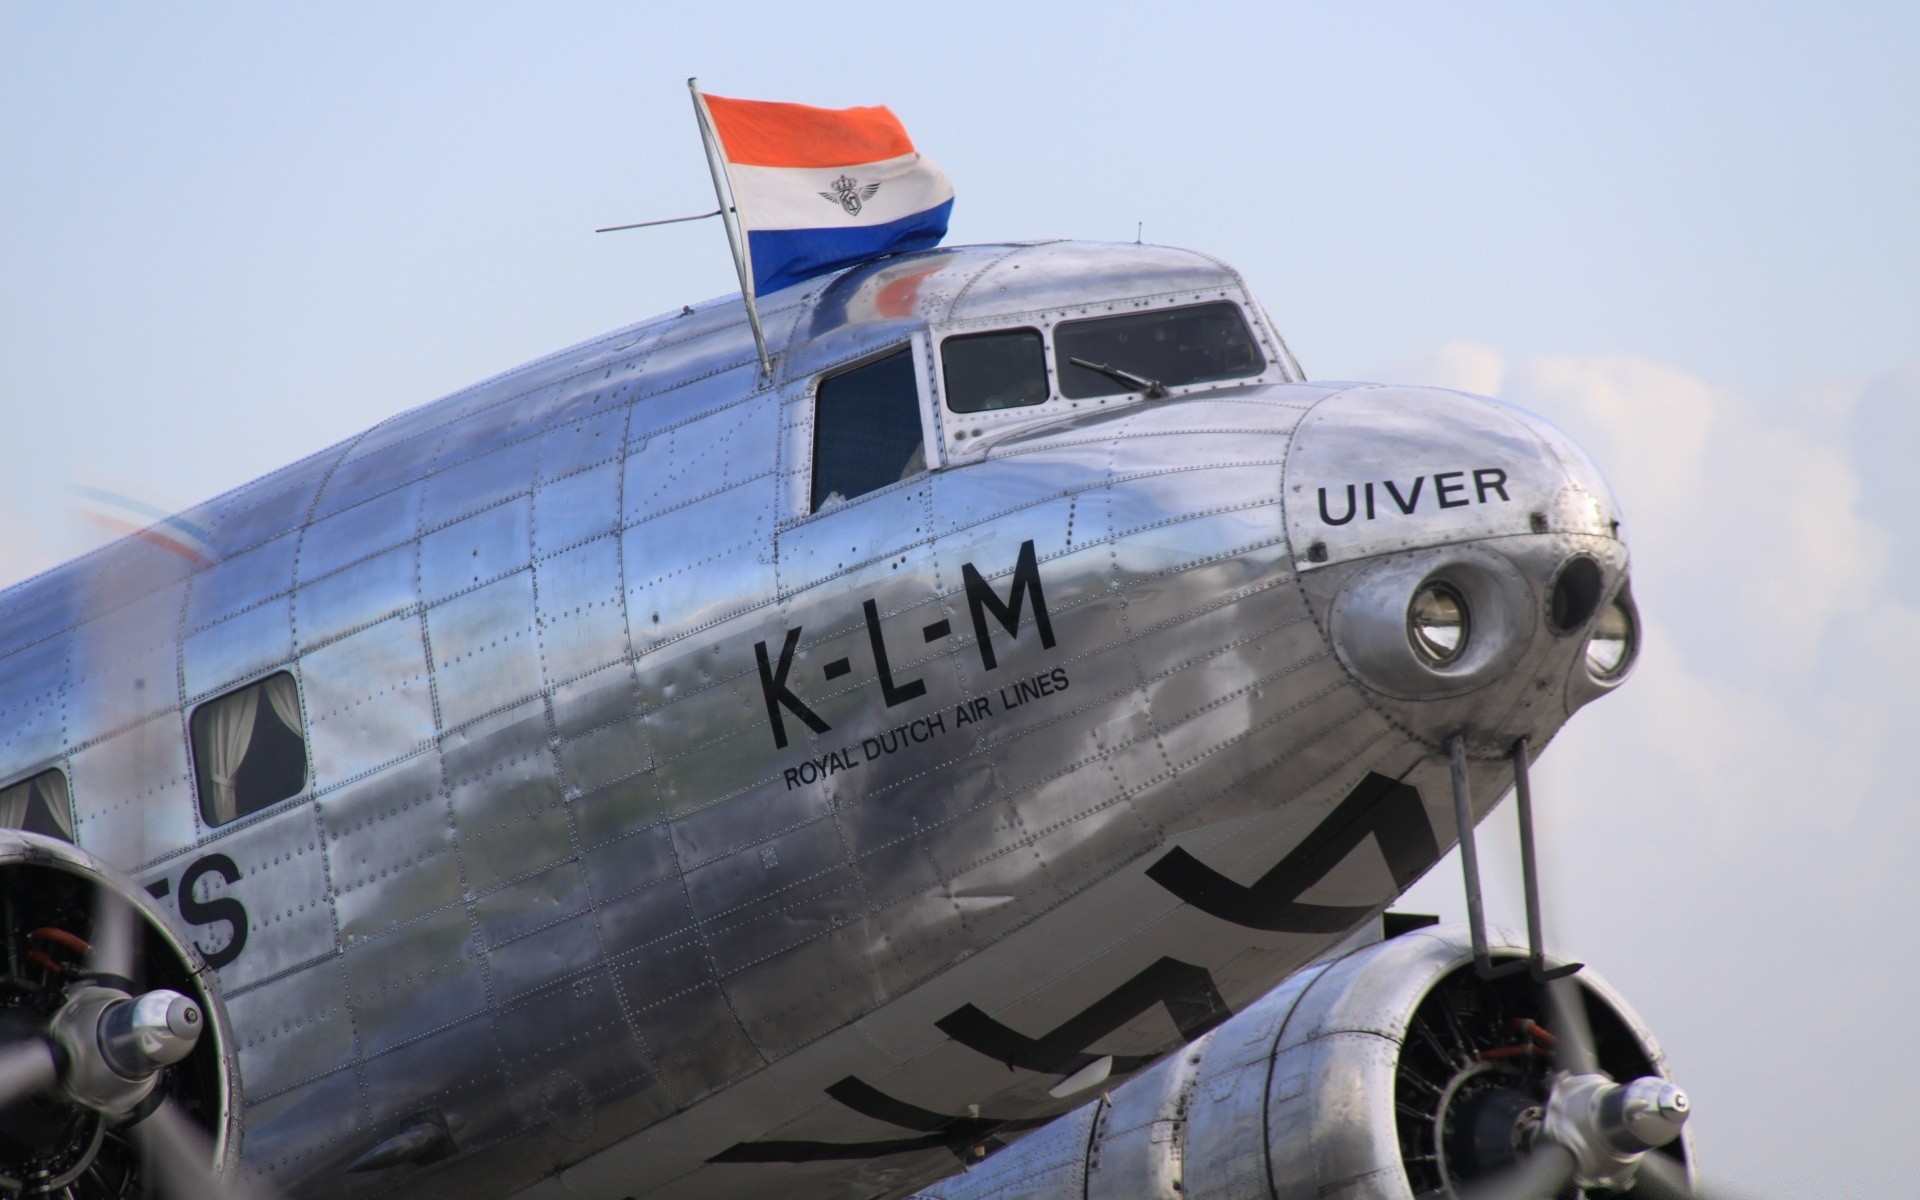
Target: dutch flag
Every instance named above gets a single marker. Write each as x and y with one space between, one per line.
818 189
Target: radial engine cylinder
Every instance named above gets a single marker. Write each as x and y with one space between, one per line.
1388 1073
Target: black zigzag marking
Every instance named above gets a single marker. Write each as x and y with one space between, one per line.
1385 808
1389 810
939 1131
1187 991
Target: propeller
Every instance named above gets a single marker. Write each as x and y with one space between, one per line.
113 953
1541 1175
181 1156
106 1045
27 1068
1573 1050
1662 1179
1594 1132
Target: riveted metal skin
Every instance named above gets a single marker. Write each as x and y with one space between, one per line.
1293 1097
582 868
1137 1151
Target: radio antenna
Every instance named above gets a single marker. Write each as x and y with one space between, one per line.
662 221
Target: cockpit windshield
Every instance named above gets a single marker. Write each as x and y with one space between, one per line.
1003 369
1196 343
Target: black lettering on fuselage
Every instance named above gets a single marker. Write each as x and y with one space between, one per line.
1327 518
981 600
1449 490
893 693
894 740
1412 499
1044 684
773 686
776 673
195 911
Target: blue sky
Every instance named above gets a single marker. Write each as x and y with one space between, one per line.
232 235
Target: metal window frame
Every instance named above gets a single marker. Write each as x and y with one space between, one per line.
917 346
66 779
984 425
193 750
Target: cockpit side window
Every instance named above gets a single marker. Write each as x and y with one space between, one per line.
248 750
1003 369
38 805
1196 343
866 430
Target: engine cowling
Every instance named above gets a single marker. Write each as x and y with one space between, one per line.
122 1043
1387 1073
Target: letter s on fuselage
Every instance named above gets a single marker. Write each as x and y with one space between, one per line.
588 690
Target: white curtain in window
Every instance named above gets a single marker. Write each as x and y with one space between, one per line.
284 697
53 794
228 731
13 805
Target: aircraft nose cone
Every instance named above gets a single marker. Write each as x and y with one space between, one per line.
1374 470
1464 558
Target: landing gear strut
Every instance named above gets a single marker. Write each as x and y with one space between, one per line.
1536 961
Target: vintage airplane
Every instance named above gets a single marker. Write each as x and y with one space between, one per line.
641 775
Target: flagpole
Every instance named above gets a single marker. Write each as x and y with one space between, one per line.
736 239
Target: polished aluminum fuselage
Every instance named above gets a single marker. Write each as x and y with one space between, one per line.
556 883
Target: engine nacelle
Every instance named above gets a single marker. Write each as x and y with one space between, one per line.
1388 1073
50 901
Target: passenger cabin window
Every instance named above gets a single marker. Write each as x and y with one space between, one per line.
1003 369
866 430
248 750
38 805
1197 343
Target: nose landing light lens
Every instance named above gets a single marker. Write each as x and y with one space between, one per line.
1611 642
1437 624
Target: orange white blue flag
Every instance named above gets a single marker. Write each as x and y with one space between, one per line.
818 189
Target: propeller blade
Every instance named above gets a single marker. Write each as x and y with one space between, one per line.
115 941
1660 1178
181 1155
1573 1045
1539 1176
26 1068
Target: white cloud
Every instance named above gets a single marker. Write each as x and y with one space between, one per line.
1742 517
1775 656
1460 365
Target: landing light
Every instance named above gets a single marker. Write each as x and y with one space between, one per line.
1437 624
1610 644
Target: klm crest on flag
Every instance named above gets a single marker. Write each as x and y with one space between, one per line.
850 194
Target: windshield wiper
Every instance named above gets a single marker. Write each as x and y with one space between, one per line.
1154 389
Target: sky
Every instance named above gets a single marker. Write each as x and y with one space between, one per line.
231 235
